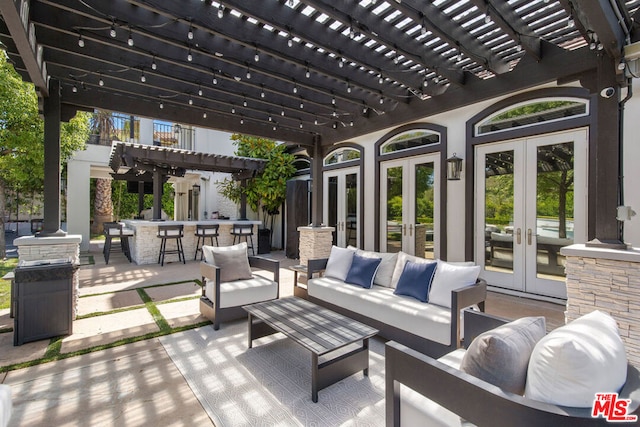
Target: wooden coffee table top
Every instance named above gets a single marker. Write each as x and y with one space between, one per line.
316 328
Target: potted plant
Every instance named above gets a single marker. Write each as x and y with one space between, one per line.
267 191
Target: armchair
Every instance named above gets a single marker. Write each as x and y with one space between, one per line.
223 301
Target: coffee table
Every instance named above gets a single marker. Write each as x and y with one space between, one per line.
320 331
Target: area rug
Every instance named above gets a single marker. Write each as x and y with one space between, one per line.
270 384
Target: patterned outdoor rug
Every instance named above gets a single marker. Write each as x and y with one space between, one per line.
270 384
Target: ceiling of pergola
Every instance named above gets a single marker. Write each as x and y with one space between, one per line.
305 71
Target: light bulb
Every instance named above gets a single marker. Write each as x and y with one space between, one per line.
154 65
241 121
80 41
262 95
190 101
215 80
571 23
130 40
189 56
282 113
308 73
425 83
199 92
233 110
381 100
74 89
248 74
295 89
380 79
143 78
101 82
161 105
270 118
204 115
221 11
112 31
300 125
348 88
190 34
301 105
256 57
290 42
244 103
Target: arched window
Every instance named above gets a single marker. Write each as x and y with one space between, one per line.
341 155
532 113
410 140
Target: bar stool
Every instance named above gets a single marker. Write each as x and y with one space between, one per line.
166 232
238 231
204 231
116 230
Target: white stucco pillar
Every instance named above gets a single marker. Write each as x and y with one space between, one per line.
78 203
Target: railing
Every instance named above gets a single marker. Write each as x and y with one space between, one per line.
107 127
173 135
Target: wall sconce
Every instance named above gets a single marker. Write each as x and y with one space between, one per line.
196 190
454 168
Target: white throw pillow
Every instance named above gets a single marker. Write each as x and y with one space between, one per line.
339 263
448 278
574 362
208 253
402 259
387 266
233 262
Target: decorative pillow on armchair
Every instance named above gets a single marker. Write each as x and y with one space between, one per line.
577 360
501 356
233 262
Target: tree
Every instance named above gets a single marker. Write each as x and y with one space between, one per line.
22 138
102 124
267 191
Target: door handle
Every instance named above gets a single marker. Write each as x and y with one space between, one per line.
529 236
410 229
518 236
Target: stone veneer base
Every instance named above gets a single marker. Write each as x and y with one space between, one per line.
315 242
607 280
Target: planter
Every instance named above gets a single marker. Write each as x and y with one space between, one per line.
264 241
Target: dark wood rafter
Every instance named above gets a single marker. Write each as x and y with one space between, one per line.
300 45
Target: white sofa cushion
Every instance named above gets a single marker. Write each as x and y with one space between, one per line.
387 265
425 320
339 262
242 292
5 405
572 363
448 278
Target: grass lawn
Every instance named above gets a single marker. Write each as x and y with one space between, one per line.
5 285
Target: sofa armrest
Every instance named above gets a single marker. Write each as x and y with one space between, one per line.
462 298
472 399
316 266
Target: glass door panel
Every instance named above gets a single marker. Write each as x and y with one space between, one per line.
410 206
394 209
351 209
424 210
342 205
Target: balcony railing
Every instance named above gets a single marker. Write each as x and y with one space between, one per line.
173 135
107 127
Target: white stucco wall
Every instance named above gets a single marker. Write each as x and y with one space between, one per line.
631 170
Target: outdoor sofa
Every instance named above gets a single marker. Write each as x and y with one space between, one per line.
431 327
514 375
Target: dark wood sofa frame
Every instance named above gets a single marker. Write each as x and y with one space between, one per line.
460 299
211 310
477 401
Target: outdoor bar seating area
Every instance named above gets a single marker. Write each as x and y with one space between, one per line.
145 245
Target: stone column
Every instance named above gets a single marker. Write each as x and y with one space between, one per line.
315 242
607 280
32 248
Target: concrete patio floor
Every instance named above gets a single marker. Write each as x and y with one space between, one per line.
137 384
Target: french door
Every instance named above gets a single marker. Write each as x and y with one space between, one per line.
531 200
410 200
342 205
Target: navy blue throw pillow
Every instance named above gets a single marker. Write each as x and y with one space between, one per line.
416 279
362 271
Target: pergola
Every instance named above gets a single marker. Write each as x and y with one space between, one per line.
317 72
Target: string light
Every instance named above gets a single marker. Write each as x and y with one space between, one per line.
487 16
199 91
341 63
380 78
204 115
190 33
221 11
80 40
161 105
241 120
215 80
130 39
262 94
256 57
270 118
142 77
348 87
290 41
190 101
308 73
112 31
153 64
248 73
282 113
189 56
101 82
295 87
74 89
300 125
301 104
233 110
244 103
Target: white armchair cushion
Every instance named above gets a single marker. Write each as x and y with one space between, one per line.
242 292
575 361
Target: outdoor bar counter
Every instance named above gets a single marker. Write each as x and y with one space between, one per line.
145 243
